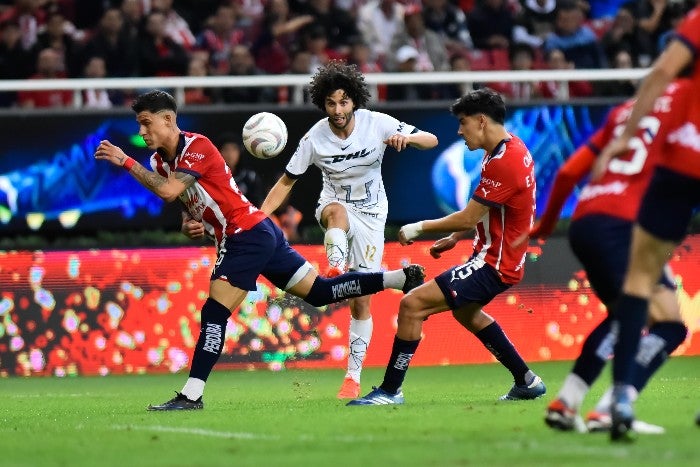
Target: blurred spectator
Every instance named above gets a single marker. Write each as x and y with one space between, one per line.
449 22
378 21
243 64
625 34
299 64
96 98
619 88
48 66
275 34
522 58
54 36
653 16
198 66
15 61
339 25
562 90
534 21
29 16
132 16
432 53
113 43
460 62
220 38
314 40
361 55
248 181
159 55
578 42
407 61
491 25
676 12
175 26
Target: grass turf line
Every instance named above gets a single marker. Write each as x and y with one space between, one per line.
451 418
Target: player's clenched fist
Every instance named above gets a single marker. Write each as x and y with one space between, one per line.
114 154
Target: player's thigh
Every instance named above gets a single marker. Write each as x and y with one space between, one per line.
244 255
668 205
601 243
423 301
366 247
648 255
472 282
332 214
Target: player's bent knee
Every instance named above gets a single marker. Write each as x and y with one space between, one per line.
411 308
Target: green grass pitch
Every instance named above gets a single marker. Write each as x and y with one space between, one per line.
291 418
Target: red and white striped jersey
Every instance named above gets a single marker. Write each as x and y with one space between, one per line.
618 192
507 186
214 199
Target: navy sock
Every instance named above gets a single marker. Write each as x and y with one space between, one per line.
595 352
496 341
654 348
631 316
401 354
351 284
211 339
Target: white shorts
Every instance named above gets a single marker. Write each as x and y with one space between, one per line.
365 236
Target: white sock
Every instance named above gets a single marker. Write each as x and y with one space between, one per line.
573 391
603 405
336 243
394 279
360 336
193 389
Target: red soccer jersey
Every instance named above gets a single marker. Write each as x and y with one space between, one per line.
683 154
507 186
214 199
618 192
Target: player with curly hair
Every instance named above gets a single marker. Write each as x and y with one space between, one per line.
348 146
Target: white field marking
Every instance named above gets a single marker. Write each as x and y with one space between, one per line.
238 435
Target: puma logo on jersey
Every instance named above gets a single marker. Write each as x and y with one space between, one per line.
354 155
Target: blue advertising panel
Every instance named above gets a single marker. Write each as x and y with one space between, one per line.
50 183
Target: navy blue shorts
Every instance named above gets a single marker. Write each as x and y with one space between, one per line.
668 204
260 250
602 243
471 282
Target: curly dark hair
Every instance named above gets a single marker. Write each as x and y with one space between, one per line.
339 75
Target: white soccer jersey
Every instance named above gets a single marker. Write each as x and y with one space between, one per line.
351 167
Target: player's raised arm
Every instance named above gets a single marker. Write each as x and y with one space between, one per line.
167 189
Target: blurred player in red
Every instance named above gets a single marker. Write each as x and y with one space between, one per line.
501 211
600 234
667 207
188 167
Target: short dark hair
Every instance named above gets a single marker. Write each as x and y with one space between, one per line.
481 101
154 101
338 75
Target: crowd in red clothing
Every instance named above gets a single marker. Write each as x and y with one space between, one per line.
44 39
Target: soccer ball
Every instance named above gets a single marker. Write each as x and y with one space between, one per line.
264 135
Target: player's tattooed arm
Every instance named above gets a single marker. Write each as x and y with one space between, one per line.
148 178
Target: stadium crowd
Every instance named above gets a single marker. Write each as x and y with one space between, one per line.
45 39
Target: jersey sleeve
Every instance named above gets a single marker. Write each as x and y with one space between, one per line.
389 126
301 159
688 31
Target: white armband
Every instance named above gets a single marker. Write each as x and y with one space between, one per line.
411 231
